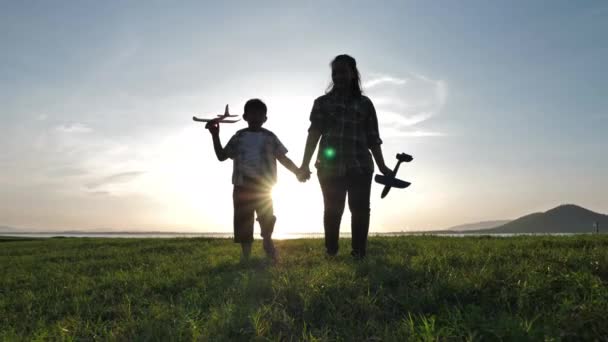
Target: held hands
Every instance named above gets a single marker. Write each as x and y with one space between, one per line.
303 173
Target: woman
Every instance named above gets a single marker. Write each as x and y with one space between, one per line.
347 125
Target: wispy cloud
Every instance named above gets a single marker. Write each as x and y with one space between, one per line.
378 79
122 177
404 103
74 128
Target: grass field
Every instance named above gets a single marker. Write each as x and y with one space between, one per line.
410 288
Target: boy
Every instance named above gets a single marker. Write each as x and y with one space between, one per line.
254 151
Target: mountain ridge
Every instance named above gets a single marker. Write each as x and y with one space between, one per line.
489 224
565 218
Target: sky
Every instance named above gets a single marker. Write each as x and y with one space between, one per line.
501 103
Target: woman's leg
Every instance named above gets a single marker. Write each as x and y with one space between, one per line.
334 196
359 187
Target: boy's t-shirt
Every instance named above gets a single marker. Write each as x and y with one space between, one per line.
254 155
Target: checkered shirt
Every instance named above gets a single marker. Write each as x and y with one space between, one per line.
349 128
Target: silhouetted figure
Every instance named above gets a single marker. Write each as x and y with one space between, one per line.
596 225
254 151
347 125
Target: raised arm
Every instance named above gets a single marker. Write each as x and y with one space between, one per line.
214 129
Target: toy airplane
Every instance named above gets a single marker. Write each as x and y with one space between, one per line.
219 118
391 181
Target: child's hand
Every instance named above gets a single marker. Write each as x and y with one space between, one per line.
213 127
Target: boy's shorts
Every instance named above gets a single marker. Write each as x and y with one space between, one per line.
248 199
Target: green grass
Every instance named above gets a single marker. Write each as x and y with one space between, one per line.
410 288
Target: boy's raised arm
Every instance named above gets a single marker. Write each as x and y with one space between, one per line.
214 129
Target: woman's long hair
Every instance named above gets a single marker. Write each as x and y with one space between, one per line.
352 64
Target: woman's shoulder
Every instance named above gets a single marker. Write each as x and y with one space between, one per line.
323 98
365 99
329 98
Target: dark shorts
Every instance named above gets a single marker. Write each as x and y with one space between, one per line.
249 200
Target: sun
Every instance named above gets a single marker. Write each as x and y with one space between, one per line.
298 207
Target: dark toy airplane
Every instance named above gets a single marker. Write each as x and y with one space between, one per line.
220 117
391 181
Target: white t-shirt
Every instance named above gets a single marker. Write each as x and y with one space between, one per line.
254 155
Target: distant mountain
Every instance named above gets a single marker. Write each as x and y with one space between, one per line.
477 226
566 218
6 229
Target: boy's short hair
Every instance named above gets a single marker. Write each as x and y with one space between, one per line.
255 104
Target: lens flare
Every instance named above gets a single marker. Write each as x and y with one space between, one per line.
329 153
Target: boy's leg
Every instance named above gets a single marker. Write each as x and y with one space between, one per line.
359 188
334 196
243 216
267 220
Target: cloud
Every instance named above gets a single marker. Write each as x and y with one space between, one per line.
383 79
123 177
74 128
404 103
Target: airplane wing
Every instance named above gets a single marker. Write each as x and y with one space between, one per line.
216 120
202 120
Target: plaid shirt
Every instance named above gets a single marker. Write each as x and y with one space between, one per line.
270 149
349 128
